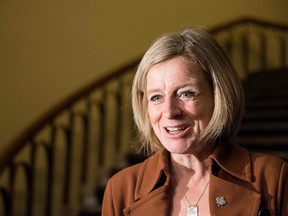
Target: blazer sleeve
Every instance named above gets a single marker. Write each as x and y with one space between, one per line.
283 190
107 204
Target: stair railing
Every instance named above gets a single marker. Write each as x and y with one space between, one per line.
81 123
60 158
254 45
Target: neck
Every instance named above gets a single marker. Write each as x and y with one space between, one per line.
188 166
196 166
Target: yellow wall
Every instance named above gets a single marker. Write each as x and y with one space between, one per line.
50 48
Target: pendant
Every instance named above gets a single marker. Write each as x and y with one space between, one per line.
192 210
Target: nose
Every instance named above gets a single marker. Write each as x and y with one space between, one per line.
172 108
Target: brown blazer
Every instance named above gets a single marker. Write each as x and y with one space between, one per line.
251 183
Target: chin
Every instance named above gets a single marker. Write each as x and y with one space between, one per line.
180 147
177 150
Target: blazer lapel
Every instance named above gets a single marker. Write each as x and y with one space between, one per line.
227 198
152 192
155 203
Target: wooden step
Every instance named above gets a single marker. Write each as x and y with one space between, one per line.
269 125
262 132
277 115
277 146
264 127
261 142
266 80
272 103
264 93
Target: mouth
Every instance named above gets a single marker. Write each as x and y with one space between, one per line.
175 130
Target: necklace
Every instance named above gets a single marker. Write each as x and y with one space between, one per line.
192 208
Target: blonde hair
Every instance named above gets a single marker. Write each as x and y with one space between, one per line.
196 45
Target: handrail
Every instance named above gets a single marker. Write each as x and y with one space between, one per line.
254 45
245 20
19 141
16 144
95 117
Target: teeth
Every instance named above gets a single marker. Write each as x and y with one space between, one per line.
175 129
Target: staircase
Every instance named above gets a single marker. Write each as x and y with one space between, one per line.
265 125
60 164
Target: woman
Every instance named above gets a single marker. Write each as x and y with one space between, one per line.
188 103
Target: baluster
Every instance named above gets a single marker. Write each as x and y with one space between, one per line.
11 187
50 171
37 146
28 174
31 179
263 50
85 145
118 117
68 131
245 53
228 47
283 50
16 167
102 127
6 200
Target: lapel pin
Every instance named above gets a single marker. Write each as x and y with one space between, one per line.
221 200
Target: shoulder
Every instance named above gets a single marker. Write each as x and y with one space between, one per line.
129 175
268 165
132 182
269 172
264 164
271 179
267 159
247 165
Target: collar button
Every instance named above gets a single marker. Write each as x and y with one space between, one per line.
264 212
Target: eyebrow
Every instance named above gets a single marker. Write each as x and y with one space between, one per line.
151 91
185 85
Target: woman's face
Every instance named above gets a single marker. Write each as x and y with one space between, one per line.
180 103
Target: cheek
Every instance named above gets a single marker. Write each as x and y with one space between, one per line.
207 111
153 114
202 111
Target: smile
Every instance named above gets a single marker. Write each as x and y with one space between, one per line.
175 130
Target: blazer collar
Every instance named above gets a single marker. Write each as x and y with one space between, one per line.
150 173
230 157
235 160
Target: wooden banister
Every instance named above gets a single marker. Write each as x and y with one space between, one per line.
15 145
247 20
92 123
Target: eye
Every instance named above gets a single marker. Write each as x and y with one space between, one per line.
155 97
188 94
